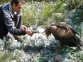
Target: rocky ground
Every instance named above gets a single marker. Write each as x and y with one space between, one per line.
39 48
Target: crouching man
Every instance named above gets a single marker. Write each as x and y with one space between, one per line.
11 20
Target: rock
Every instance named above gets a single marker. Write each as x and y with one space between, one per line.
58 58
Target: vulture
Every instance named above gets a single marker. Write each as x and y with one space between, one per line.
65 34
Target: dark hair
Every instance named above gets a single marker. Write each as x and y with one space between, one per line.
17 1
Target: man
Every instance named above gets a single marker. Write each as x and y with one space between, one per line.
11 19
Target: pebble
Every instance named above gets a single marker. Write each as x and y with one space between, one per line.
58 58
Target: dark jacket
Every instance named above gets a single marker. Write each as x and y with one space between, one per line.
10 22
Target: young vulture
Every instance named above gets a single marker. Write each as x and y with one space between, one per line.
64 33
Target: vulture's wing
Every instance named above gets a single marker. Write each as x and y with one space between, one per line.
64 25
65 33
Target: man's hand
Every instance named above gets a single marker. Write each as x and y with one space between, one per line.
29 32
24 27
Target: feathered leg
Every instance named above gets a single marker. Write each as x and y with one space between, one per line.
61 45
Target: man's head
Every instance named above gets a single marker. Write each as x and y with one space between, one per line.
17 5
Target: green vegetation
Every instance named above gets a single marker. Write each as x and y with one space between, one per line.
45 12
8 56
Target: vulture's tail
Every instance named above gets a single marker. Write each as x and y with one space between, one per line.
78 41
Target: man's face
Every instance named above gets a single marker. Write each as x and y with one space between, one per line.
17 8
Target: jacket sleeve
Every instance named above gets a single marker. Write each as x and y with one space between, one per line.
10 24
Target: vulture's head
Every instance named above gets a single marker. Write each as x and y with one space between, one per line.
47 31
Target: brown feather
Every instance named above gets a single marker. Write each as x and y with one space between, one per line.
64 33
